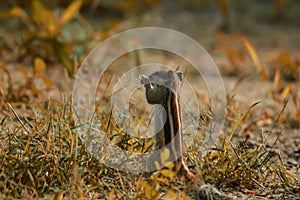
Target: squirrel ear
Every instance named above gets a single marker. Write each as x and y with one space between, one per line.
180 75
144 79
170 73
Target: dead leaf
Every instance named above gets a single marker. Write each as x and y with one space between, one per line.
284 59
264 122
277 80
165 155
167 173
252 53
71 11
39 66
286 91
263 74
43 15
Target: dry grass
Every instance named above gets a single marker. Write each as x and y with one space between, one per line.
42 157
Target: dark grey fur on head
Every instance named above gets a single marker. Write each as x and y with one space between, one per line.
159 85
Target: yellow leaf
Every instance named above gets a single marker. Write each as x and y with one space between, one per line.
252 53
71 11
169 165
171 194
148 145
43 15
22 69
167 173
263 74
165 155
224 167
147 189
284 59
163 180
39 66
14 12
234 56
276 79
186 198
35 90
286 91
157 165
47 81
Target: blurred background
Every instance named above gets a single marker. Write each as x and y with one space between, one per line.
254 39
250 38
65 31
